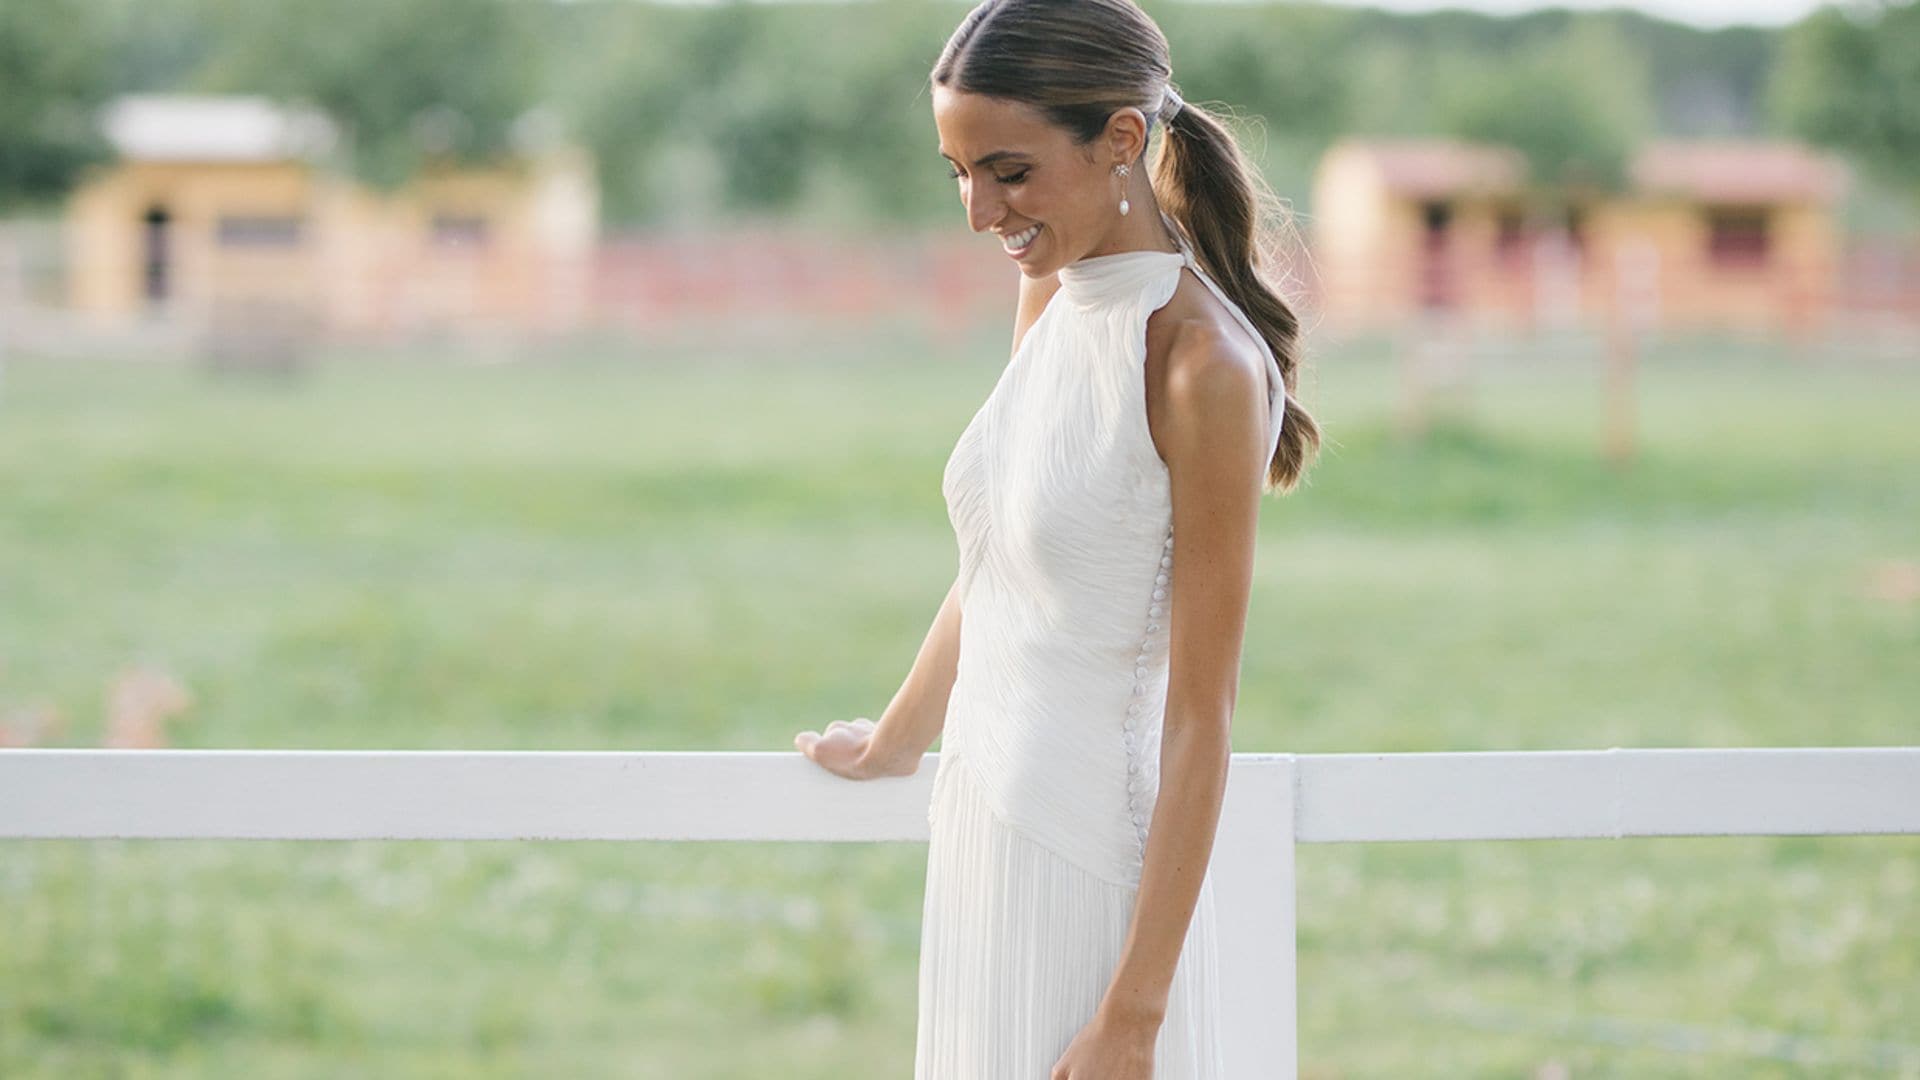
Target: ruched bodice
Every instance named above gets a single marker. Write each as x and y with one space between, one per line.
1049 760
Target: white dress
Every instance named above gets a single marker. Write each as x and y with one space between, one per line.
1049 761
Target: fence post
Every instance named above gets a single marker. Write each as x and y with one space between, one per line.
1252 871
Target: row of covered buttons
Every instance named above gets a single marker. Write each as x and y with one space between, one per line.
1137 779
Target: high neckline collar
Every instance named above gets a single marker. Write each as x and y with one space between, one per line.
1099 277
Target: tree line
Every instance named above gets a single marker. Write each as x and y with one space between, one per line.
820 110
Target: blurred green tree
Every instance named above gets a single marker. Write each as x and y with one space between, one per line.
632 68
827 104
407 81
157 45
822 111
1576 104
53 77
1850 78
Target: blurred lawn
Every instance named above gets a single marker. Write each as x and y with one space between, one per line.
590 554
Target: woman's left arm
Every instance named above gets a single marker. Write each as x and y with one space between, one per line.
1216 450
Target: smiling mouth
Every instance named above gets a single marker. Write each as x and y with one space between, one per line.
1020 241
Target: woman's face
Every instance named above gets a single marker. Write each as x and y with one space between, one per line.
1023 179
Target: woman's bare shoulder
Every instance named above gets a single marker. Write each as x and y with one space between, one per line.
1193 313
1191 334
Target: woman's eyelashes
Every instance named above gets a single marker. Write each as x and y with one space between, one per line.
1016 178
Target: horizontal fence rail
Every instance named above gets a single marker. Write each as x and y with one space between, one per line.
1273 802
650 795
1612 793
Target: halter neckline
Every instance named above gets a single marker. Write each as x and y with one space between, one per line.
1098 277
1099 280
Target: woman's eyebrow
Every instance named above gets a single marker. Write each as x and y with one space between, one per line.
997 155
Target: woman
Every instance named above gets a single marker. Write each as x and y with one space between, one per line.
1068 927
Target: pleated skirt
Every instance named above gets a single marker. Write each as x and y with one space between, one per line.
1018 945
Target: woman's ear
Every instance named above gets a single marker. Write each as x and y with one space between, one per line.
1126 134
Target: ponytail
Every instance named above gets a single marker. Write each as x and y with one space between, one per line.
1203 181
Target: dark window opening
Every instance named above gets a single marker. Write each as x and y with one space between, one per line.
1737 236
1510 235
1436 266
1577 226
155 255
459 230
241 230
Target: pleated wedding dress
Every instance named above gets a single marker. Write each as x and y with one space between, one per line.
1049 761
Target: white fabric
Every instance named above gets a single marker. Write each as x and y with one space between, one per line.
1050 756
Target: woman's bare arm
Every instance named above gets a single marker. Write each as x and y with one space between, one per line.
1034 294
1212 434
918 711
858 750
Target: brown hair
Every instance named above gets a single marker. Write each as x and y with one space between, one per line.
1078 62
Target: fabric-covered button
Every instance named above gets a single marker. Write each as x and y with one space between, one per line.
1159 594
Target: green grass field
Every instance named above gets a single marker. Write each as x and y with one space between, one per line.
588 554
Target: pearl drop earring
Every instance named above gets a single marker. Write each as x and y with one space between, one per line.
1121 170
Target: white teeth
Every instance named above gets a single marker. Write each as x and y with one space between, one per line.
1020 239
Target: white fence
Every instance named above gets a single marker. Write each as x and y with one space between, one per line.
1274 801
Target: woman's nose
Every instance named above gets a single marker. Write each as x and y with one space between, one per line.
982 212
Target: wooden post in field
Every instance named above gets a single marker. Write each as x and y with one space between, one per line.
1636 298
1618 435
1436 369
1556 300
1411 418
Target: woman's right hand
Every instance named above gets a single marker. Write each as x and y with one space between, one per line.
842 749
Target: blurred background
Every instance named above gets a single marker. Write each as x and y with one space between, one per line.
526 374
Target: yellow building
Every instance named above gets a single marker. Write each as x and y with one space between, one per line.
228 208
1712 234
